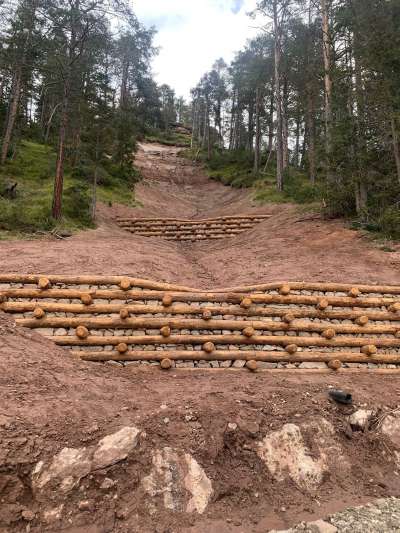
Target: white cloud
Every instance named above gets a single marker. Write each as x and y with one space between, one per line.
192 34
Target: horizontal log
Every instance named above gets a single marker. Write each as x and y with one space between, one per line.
274 340
187 309
90 280
189 296
115 280
193 221
188 227
187 323
273 357
311 286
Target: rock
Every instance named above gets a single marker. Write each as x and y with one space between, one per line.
179 480
108 484
360 419
70 465
67 469
114 363
115 448
239 364
320 526
232 426
391 428
286 454
86 505
313 365
53 515
28 515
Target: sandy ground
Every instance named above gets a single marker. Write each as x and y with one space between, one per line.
290 246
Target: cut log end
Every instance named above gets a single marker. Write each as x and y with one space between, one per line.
354 292
125 284
87 299
285 290
165 331
395 308
44 283
207 315
82 332
362 320
39 313
124 314
167 300
249 332
370 349
252 365
209 347
323 304
166 364
292 348
329 333
289 318
246 303
122 347
335 364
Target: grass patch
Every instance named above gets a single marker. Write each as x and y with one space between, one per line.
169 138
236 170
33 169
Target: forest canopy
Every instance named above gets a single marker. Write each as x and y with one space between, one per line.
318 90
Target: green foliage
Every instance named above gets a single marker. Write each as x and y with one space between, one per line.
168 138
33 169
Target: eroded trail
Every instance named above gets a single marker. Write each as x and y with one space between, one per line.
89 447
290 246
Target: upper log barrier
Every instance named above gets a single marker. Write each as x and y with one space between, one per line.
191 230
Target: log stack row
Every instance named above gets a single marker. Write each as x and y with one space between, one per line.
191 230
278 325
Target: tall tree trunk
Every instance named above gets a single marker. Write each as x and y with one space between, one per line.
311 133
360 137
327 57
271 124
258 132
395 142
285 126
250 127
278 99
12 113
59 178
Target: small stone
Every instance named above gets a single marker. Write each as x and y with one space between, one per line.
320 526
166 420
28 515
86 505
359 420
108 484
239 364
232 426
313 365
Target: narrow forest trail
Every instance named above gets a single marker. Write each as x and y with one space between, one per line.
290 246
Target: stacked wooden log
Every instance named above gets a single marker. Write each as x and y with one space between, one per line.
277 325
173 229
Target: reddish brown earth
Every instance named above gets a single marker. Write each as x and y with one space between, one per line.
290 246
49 402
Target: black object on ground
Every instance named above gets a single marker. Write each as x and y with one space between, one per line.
341 396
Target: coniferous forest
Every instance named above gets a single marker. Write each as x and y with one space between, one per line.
317 92
311 105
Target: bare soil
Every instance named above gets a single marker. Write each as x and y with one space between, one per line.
291 246
49 402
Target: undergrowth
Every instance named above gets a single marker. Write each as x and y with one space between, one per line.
33 169
168 138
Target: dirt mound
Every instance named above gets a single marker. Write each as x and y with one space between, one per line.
86 447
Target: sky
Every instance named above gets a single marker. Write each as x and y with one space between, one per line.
192 34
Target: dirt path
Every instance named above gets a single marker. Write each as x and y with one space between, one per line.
289 246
